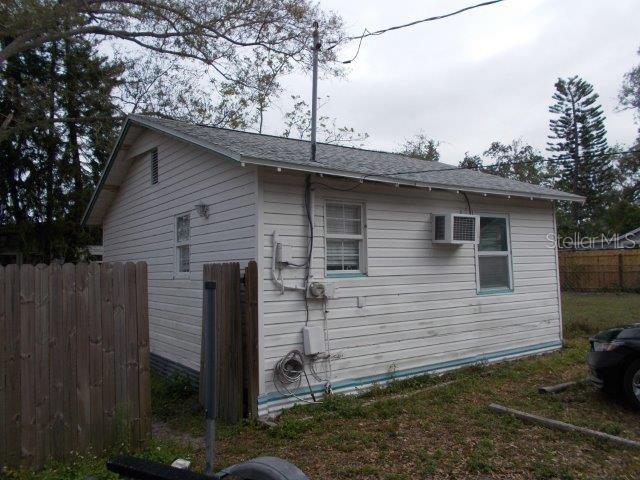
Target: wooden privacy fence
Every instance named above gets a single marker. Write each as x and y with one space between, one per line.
600 270
236 339
74 360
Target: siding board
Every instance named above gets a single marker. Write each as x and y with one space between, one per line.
139 226
421 305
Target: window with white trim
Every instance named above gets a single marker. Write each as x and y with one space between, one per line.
183 246
494 254
344 238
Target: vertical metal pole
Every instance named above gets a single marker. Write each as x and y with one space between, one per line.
314 95
210 375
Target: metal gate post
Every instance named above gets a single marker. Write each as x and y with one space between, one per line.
210 372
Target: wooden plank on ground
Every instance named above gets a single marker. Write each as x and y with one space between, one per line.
95 359
82 359
13 366
142 303
108 352
131 348
56 360
70 414
27 368
42 365
567 427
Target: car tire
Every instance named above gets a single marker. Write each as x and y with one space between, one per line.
631 384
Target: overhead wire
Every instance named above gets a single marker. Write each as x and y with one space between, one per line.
366 33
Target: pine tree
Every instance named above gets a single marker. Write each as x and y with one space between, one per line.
578 145
48 166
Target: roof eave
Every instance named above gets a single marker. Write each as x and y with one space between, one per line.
395 181
105 173
224 152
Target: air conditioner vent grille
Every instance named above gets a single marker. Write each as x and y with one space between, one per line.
439 226
464 229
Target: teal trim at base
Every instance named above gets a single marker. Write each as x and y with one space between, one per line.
352 383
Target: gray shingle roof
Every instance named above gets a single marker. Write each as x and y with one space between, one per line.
253 147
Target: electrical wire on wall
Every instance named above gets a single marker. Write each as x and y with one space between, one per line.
288 373
309 213
290 369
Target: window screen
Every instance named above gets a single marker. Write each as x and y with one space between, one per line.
493 234
183 247
494 272
343 255
344 237
494 254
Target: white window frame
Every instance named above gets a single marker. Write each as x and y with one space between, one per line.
182 243
508 253
362 238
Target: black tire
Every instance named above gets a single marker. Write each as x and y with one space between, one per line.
631 384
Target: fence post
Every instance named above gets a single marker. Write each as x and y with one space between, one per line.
209 366
621 271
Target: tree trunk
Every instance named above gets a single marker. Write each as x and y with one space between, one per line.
71 105
51 153
575 212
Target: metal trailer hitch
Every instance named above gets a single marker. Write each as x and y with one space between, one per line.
260 468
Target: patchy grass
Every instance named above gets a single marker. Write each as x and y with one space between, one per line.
79 467
411 430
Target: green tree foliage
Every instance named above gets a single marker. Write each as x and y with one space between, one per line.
629 96
629 164
216 62
298 125
578 148
421 146
516 160
622 216
49 167
61 102
472 162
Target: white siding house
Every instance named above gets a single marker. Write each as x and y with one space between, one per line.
397 304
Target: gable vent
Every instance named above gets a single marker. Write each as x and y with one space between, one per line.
154 166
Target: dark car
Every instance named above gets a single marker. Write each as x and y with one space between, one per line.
615 361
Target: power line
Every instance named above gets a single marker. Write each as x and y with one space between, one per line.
367 33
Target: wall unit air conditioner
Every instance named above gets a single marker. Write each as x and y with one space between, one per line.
455 228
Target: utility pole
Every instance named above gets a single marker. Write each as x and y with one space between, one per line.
314 95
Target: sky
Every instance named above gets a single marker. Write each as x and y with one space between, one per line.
485 75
